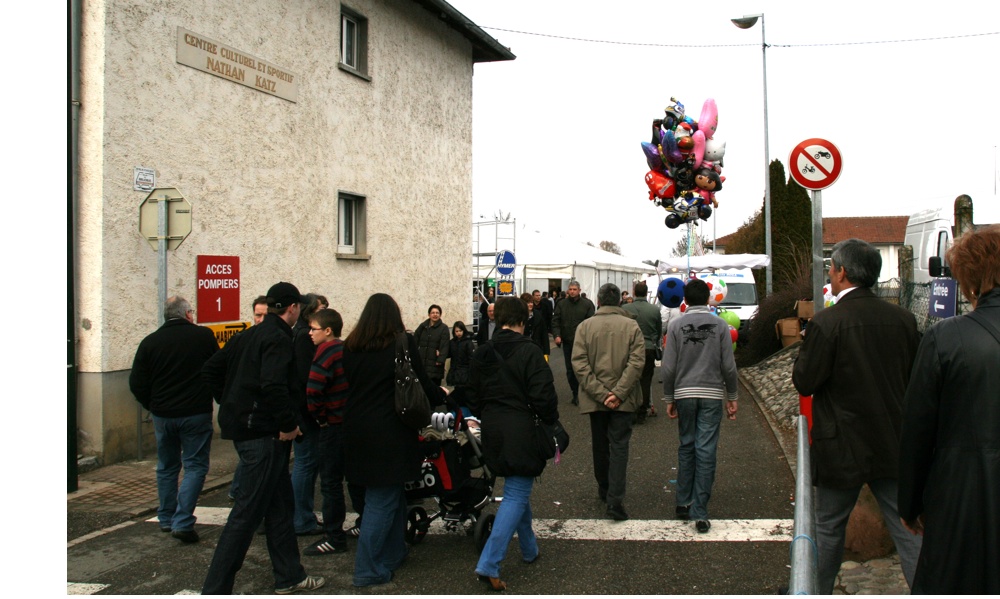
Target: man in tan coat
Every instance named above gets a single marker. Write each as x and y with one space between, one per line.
608 358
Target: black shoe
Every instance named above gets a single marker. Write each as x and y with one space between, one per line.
702 525
187 536
575 401
324 547
617 513
165 529
640 418
682 512
311 533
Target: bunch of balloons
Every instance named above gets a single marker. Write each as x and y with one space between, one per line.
685 163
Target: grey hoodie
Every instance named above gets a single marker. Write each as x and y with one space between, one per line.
698 358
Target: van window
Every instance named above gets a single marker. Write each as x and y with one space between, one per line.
741 294
942 244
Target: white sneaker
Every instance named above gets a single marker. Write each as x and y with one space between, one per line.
310 583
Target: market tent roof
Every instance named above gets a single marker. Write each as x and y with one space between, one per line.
714 261
548 255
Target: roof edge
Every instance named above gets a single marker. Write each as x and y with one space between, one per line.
485 48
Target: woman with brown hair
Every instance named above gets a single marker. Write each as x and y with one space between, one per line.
949 470
381 453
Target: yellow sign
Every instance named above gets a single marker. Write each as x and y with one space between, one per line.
224 331
505 287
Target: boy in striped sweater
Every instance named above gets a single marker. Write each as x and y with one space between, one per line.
326 395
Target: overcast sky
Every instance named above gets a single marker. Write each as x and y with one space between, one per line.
557 132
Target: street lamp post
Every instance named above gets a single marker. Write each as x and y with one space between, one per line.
746 22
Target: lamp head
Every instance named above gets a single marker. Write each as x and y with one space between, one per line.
746 22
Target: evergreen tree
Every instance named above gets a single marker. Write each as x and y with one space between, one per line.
791 227
791 231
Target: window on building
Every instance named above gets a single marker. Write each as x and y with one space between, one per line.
351 226
353 42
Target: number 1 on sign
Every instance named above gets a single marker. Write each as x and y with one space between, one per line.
218 300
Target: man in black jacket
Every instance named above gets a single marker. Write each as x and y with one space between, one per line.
855 362
567 316
166 380
258 412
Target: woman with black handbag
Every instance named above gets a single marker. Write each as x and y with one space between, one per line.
381 452
512 387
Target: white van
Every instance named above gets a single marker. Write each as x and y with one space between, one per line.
928 232
742 295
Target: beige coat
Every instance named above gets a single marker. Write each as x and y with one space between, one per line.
608 357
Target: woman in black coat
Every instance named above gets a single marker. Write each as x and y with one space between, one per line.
381 453
535 326
460 350
949 465
512 385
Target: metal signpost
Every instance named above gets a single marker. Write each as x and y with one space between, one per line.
165 222
815 164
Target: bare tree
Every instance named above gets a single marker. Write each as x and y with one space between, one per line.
698 244
610 246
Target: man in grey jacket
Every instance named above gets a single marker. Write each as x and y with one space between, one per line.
699 373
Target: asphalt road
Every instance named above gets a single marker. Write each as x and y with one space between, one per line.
753 483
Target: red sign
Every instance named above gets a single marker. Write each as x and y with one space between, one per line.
815 163
218 288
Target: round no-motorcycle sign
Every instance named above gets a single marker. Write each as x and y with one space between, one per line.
815 163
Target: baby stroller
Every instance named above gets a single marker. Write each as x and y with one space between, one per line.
455 476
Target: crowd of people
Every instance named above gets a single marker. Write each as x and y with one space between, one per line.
909 417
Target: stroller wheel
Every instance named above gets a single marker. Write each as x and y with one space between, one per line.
484 526
417 524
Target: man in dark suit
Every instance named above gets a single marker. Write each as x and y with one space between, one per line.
486 326
855 361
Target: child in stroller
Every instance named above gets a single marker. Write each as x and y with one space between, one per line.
454 475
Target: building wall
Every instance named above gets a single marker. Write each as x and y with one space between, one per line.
262 173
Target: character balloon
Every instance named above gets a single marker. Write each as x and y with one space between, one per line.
685 162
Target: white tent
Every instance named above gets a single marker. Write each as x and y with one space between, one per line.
543 257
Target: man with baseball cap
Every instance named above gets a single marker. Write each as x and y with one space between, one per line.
257 412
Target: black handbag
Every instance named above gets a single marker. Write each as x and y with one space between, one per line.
551 440
412 405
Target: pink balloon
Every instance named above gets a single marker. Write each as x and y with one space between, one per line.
709 120
699 147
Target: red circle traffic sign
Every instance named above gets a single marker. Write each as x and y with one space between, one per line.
815 163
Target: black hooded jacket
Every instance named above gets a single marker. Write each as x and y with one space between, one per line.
512 384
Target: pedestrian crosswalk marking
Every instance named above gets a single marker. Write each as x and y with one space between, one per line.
581 529
80 588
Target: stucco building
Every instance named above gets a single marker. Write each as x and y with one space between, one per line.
323 143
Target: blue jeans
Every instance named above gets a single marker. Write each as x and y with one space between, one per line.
185 440
833 508
698 421
610 432
513 516
304 471
331 477
382 545
264 493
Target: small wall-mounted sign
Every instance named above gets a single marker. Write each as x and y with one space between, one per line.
143 179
